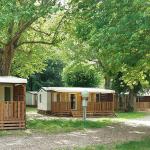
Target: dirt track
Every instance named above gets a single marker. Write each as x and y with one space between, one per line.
109 134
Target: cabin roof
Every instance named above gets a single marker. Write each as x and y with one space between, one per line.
77 89
144 93
11 79
33 92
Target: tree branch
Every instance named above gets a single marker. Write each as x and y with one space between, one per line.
57 28
43 42
48 34
35 42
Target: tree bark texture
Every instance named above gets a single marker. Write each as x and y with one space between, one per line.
131 106
107 82
6 56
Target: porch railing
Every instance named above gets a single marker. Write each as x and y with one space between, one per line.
60 107
143 106
12 110
100 107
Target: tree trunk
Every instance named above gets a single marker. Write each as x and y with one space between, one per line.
131 106
6 56
107 82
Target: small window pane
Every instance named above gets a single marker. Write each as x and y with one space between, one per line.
7 93
97 97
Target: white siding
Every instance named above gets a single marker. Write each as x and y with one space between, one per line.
43 104
28 98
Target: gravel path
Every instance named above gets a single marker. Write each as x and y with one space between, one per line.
107 135
126 130
145 121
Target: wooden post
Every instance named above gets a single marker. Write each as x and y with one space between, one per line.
24 105
113 103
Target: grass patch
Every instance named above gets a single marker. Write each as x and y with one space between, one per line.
135 145
31 109
13 133
94 147
59 126
131 115
131 145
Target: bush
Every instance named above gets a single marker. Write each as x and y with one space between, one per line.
81 75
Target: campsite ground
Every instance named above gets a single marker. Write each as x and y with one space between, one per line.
46 133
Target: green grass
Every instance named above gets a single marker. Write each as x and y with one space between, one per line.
31 109
59 126
131 145
131 115
135 145
54 126
13 133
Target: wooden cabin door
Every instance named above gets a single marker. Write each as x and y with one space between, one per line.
73 101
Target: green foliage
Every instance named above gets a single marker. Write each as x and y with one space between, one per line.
17 13
119 85
28 35
117 32
29 61
139 145
143 144
51 76
81 75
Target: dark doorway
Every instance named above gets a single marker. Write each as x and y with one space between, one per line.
7 91
73 101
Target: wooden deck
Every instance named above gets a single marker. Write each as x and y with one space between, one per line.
93 108
12 114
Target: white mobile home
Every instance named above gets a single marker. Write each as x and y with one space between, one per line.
67 101
44 100
31 98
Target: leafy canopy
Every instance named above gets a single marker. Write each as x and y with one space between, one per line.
118 34
81 75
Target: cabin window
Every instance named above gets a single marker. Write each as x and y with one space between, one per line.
40 98
107 97
58 97
98 97
7 93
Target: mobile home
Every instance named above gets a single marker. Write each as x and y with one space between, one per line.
67 101
31 98
12 102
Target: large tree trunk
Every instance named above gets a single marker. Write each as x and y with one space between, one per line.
107 82
6 56
131 106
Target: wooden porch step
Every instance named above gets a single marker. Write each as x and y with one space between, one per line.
12 125
62 114
104 114
91 114
76 113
